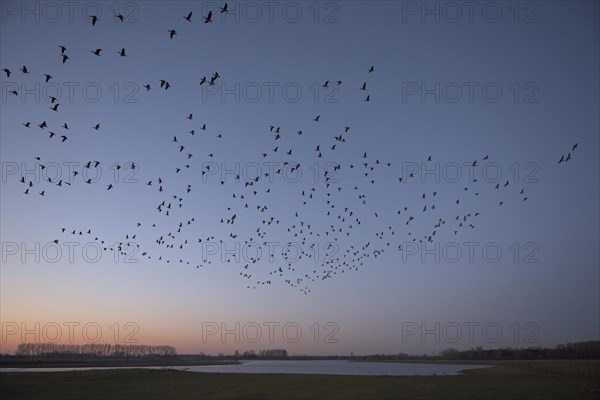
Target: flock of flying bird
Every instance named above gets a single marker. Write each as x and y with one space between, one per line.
343 206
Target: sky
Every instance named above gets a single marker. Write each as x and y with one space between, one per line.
382 231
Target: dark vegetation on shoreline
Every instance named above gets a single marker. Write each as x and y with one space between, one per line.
91 354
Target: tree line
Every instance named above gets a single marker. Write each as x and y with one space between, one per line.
572 351
50 351
269 353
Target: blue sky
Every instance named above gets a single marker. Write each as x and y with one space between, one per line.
520 87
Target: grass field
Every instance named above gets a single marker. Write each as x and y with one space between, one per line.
524 381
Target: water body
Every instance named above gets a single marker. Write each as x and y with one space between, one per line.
321 367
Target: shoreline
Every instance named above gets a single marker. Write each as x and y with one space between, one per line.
111 364
499 382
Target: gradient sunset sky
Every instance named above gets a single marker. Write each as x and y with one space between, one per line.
517 82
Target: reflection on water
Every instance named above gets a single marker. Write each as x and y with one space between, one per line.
325 367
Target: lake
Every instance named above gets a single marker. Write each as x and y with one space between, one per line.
322 367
